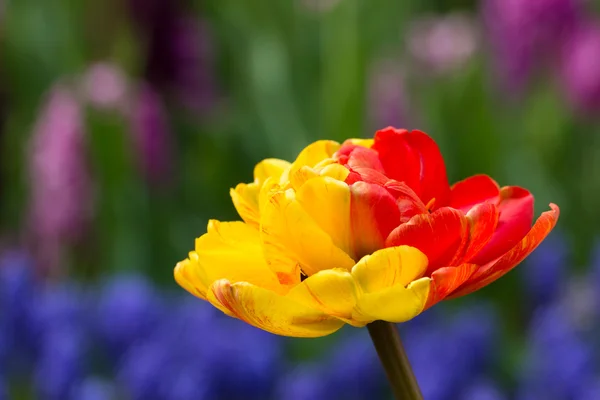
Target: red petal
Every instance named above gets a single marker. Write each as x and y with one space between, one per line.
445 280
373 214
400 161
483 219
494 270
434 181
473 190
414 158
407 200
516 215
441 235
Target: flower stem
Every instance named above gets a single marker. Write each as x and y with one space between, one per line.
393 358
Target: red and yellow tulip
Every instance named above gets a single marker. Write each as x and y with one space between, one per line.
363 231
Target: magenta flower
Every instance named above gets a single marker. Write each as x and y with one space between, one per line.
61 193
580 68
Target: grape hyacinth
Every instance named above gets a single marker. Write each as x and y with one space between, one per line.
129 339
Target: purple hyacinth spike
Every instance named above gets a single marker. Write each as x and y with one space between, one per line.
151 135
580 68
105 86
526 33
442 45
61 188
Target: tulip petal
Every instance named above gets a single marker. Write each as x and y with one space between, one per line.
473 190
483 219
245 197
494 270
310 156
190 277
271 312
414 158
434 181
389 267
327 201
374 214
292 240
331 291
395 304
516 216
359 142
400 161
232 251
441 235
445 280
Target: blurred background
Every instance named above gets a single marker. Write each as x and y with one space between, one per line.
123 124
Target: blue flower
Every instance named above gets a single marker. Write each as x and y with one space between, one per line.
60 366
305 382
129 309
546 270
483 389
94 388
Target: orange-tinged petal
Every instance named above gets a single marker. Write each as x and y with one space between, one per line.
495 269
389 267
483 219
332 291
270 311
232 251
441 235
293 240
516 214
327 202
445 280
394 304
373 215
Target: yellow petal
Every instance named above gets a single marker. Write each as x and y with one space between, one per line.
389 267
292 239
189 276
327 201
361 142
271 312
232 250
245 196
335 171
394 304
332 291
310 156
270 168
245 201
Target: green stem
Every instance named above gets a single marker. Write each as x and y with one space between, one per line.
393 358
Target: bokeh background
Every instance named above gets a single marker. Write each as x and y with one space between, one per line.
123 124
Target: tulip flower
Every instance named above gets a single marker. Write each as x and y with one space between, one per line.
365 231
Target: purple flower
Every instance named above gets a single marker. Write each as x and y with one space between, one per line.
179 53
305 382
151 135
388 100
129 310
105 86
526 33
546 268
60 366
61 195
94 388
443 44
580 68
483 389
